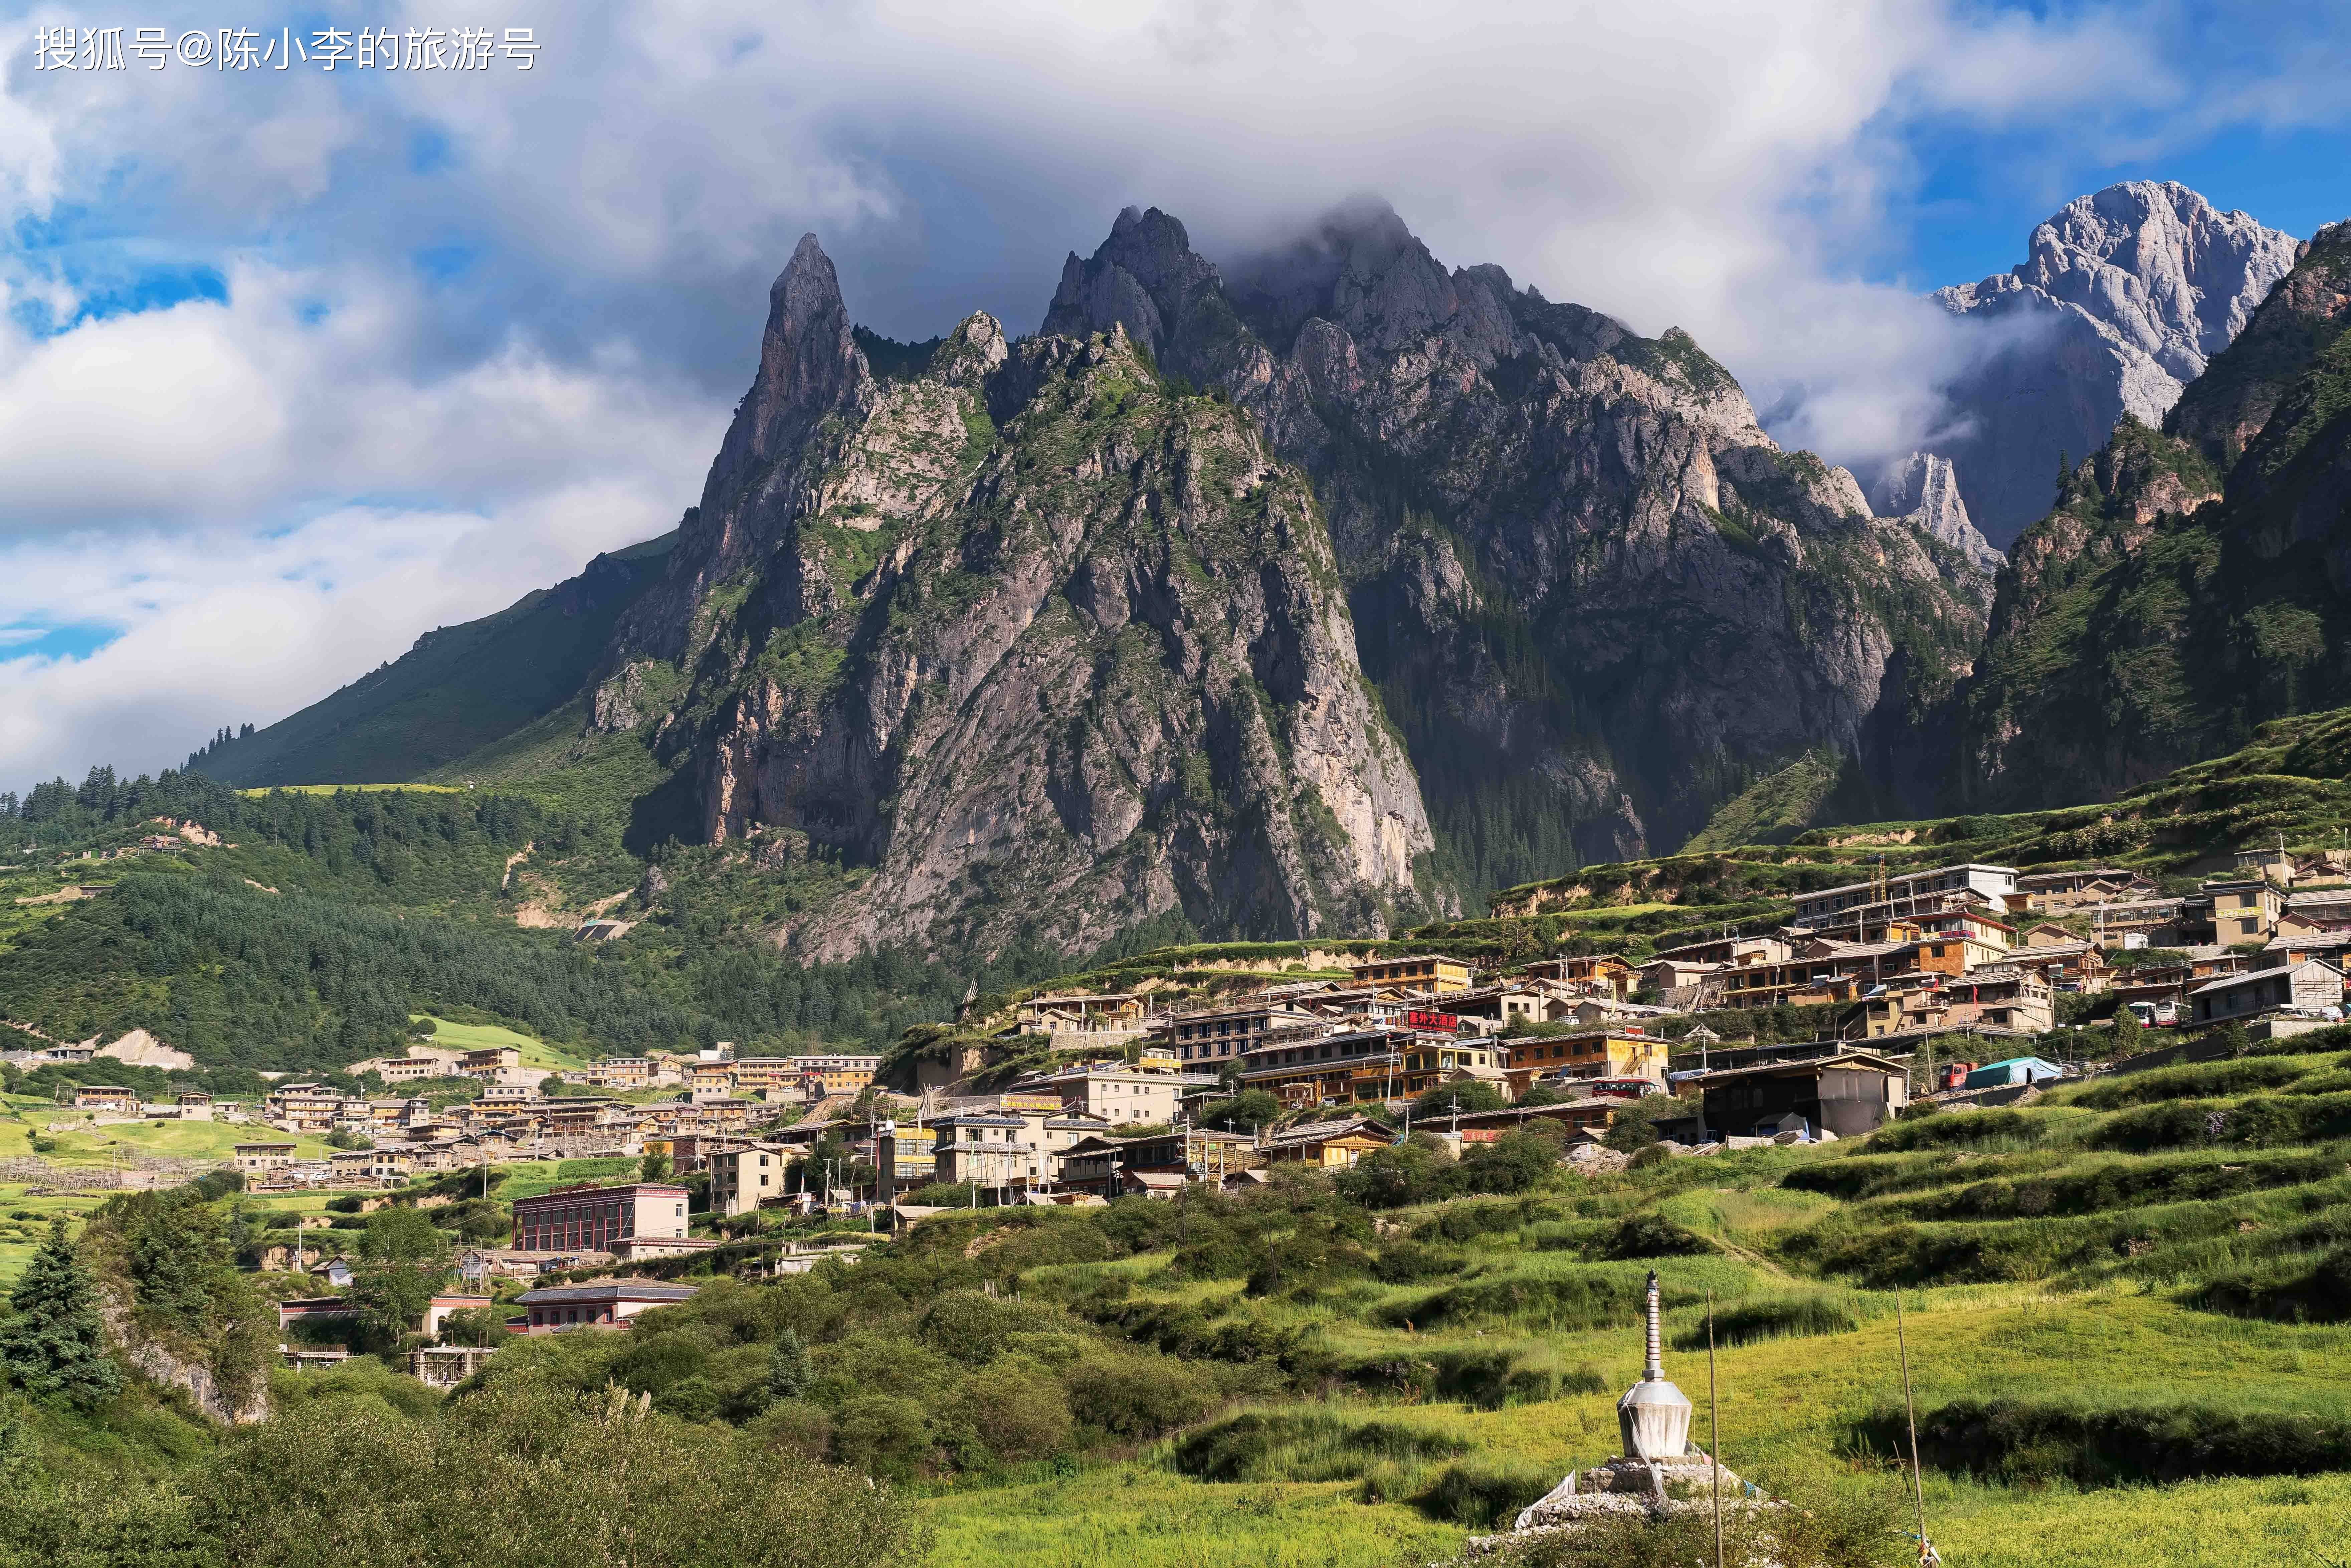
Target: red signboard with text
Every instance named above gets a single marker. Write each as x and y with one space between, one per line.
1434 1023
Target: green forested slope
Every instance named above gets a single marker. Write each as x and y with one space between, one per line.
459 688
2191 581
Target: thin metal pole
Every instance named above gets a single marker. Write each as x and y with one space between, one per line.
1910 1413
1714 1429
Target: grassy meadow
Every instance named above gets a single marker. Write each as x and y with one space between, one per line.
2145 1259
481 1037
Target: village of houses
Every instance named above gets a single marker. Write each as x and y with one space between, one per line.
1939 984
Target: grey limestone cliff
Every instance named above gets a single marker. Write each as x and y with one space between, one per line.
1033 643
2125 297
1923 491
1596 597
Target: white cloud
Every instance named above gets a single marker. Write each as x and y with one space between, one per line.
234 628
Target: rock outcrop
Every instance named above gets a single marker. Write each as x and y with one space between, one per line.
1028 642
2124 298
1596 597
1923 491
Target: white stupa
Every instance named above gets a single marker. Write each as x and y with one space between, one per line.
1654 1415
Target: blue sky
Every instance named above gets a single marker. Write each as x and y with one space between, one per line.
295 367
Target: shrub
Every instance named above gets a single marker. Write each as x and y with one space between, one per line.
1566 1301
1786 1317
2204 1080
1137 1397
2023 1440
1484 1496
1960 1129
1651 1234
2319 1293
1306 1446
1019 1409
884 1434
968 1326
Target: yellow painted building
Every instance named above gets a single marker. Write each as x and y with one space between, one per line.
1429 972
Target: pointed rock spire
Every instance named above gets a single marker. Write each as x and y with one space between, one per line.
810 366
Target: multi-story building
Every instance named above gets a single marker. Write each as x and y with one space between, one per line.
2003 995
486 1061
1863 909
621 1072
2055 892
605 1305
2244 909
1355 1064
2312 987
840 1075
303 1107
1122 1095
1604 972
757 1074
260 1159
1430 972
988 1150
418 1064
1586 1053
108 1097
743 1177
599 1216
1219 1034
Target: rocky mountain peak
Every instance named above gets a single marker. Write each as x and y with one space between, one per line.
810 366
2177 279
1141 276
2125 297
2232 402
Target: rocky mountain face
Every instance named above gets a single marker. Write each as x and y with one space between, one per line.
2192 580
1030 640
2125 296
1923 491
1596 597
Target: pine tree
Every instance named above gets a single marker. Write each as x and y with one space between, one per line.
788 1366
54 1344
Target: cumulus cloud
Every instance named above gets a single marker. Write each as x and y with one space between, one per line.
478 325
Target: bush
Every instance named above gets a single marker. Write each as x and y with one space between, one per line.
1651 1234
1486 1496
1137 1397
1787 1317
2203 1080
2021 1440
1019 1409
1303 1445
1568 1302
884 1434
2319 1293
1960 1129
521 1461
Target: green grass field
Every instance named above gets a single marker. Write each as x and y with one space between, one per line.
481 1037
25 1222
2065 1256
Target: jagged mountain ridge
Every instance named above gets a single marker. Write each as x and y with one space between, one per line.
2191 581
1035 643
1594 593
2126 295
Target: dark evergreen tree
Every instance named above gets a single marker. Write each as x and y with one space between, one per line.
53 1343
788 1366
